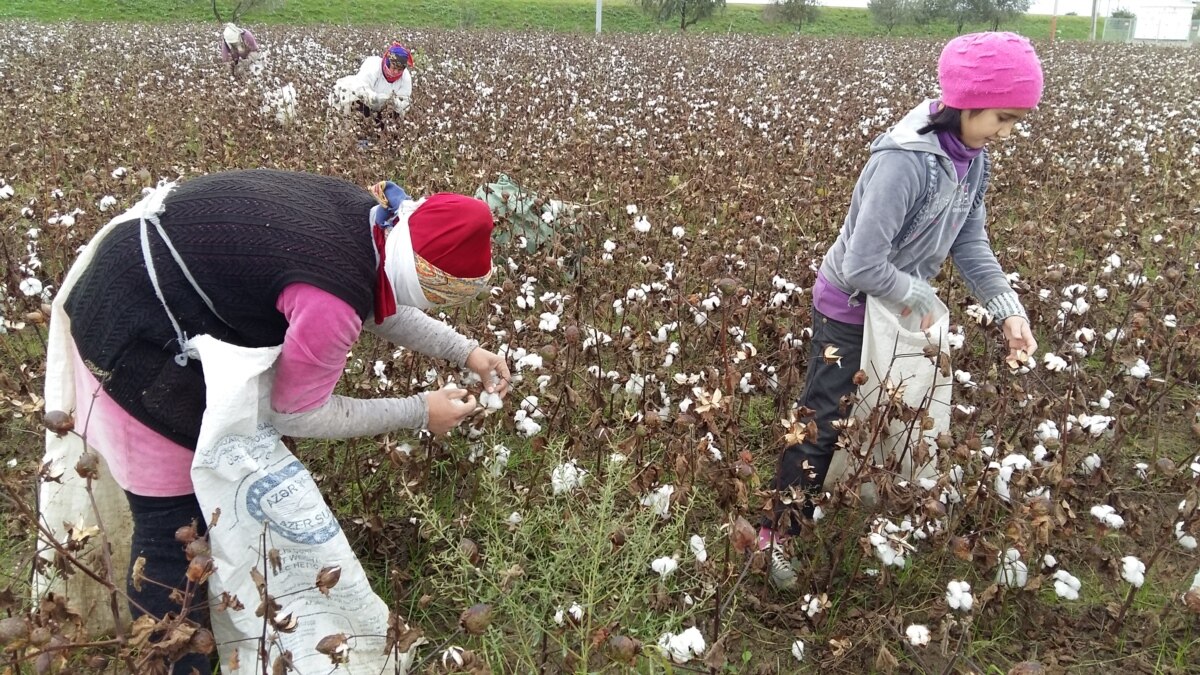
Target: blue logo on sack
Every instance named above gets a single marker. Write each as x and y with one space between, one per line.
289 502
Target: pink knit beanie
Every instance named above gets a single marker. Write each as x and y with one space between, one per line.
990 70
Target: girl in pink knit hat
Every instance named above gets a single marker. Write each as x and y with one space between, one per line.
922 192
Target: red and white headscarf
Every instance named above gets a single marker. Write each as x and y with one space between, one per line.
437 253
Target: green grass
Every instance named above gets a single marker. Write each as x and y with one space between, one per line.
556 15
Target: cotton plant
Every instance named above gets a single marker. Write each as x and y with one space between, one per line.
664 566
1108 516
567 477
958 596
659 500
1133 570
683 647
917 635
1066 585
1012 571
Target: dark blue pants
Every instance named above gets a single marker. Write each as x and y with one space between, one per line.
805 465
155 520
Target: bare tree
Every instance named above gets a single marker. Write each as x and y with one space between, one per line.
239 8
798 12
687 11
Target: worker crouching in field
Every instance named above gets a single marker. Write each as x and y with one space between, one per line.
237 45
381 88
257 259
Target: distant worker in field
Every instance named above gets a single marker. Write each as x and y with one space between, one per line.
382 82
237 45
922 192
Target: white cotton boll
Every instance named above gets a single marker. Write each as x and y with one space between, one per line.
1054 363
1012 572
6 191
963 377
1095 425
1185 540
1066 586
798 650
490 401
1170 321
642 224
711 303
617 459
499 460
664 566
107 202
678 232
575 612
1089 464
1133 571
566 477
1049 561
560 617
918 635
1100 292
1114 261
631 209
1108 516
810 605
514 519
1139 370
683 647
452 655
549 322
610 246
31 286
659 500
696 543
955 339
958 596
699 318
1142 470
528 362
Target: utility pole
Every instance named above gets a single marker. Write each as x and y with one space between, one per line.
1095 13
600 10
1054 21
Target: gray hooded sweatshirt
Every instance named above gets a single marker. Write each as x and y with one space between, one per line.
908 213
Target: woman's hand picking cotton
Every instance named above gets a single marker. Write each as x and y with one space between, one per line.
491 368
448 408
1019 337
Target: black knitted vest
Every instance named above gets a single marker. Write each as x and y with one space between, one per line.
244 235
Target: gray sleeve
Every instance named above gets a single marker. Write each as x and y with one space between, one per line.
889 187
345 417
413 329
973 256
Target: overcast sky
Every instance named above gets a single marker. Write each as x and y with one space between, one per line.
1081 7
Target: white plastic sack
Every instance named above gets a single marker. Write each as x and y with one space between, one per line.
894 355
67 501
242 468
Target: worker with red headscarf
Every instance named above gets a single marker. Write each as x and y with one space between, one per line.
261 258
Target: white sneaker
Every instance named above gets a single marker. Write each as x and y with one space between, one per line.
781 573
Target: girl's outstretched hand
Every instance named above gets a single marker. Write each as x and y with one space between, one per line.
447 408
1020 338
491 368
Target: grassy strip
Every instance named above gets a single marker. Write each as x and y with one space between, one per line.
556 15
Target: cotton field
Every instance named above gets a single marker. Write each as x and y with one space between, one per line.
656 319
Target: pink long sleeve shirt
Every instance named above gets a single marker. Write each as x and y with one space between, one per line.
321 330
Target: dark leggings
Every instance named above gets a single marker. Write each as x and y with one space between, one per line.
824 388
155 520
